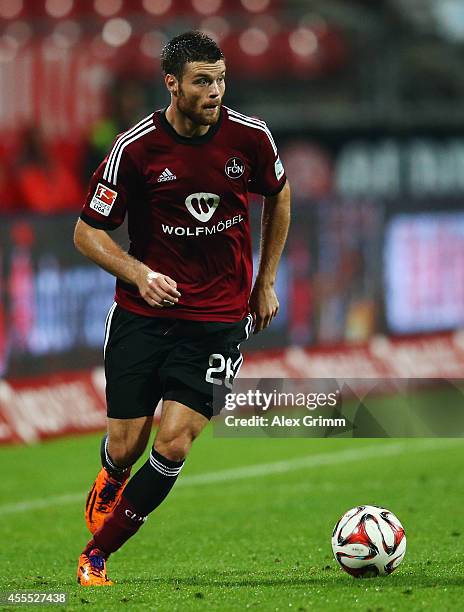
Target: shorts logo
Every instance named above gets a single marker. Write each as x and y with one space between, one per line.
234 167
103 199
202 205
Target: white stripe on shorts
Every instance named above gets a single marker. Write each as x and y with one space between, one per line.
109 316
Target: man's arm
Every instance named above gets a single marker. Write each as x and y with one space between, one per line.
275 221
97 245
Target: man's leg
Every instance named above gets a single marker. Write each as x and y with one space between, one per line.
124 442
121 446
150 485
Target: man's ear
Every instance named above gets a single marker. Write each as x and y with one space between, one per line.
172 84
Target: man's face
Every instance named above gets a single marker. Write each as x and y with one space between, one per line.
200 91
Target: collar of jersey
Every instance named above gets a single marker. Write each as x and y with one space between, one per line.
196 140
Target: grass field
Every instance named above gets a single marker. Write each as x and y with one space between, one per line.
247 527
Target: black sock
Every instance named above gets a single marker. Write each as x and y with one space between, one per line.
151 484
115 471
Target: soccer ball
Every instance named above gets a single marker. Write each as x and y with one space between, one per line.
368 541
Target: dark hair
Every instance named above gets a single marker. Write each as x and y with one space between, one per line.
191 46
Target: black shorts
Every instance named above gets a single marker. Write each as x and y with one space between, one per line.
149 358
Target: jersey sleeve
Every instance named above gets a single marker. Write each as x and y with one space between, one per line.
112 187
268 177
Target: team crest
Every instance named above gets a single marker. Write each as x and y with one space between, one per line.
234 167
103 199
202 205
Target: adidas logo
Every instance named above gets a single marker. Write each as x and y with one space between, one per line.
166 175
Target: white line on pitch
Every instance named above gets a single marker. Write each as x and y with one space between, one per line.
313 461
260 469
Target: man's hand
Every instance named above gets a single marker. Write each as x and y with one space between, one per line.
264 305
158 290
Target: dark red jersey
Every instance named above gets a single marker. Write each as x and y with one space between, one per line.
187 206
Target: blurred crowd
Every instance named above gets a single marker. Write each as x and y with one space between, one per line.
38 180
45 177
75 74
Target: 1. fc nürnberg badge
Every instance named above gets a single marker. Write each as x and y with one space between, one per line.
234 167
103 199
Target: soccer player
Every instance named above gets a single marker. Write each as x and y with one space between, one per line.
183 291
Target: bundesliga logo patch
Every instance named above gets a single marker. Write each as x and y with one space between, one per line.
279 169
103 199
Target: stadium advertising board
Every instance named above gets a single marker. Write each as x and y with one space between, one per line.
424 272
54 303
43 407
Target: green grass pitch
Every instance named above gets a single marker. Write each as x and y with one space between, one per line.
247 526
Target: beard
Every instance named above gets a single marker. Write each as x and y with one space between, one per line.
196 116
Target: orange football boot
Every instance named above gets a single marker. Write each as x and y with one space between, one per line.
102 498
91 570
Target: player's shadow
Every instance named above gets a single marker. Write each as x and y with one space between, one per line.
227 581
334 577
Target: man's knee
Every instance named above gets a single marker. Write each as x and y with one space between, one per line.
175 447
124 451
178 428
127 439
